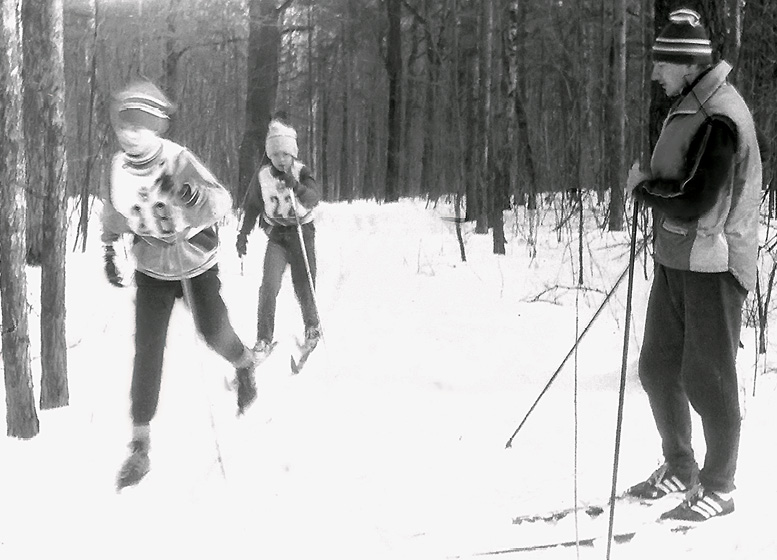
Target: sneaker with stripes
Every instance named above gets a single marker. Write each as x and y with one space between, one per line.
659 484
700 505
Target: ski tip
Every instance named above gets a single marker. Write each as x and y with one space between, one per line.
294 366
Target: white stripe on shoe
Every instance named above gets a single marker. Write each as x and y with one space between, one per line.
707 507
671 484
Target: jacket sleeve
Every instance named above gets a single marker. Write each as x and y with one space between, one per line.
307 190
254 205
211 201
711 156
114 225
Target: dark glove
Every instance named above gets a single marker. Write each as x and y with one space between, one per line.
291 182
241 244
184 192
111 272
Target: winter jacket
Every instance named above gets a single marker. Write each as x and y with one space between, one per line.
269 197
171 203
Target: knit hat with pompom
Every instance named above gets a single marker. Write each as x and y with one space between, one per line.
683 40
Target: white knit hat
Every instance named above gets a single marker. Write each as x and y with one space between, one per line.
281 137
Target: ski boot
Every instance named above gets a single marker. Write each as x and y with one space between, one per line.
136 466
312 336
246 384
263 349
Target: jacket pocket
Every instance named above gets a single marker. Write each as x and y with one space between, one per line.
673 226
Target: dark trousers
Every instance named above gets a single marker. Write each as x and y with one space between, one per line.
283 247
154 303
689 356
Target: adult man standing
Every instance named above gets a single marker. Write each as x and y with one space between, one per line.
703 185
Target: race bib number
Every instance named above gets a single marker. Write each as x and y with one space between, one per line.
146 206
280 205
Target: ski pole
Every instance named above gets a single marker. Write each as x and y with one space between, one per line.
307 262
624 366
569 354
189 299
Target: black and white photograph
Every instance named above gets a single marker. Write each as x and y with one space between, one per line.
388 279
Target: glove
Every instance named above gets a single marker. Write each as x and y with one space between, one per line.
290 181
184 192
636 176
111 272
241 244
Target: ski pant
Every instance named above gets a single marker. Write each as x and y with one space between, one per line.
154 304
689 356
283 247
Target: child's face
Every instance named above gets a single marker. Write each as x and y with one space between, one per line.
281 160
136 139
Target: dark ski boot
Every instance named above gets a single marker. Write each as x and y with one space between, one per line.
136 466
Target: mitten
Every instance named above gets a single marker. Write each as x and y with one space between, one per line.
290 182
111 272
241 245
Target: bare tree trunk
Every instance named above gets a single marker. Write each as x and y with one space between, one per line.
83 220
325 190
394 71
171 55
659 103
22 419
44 86
619 119
371 154
264 44
347 155
456 118
34 45
646 20
312 128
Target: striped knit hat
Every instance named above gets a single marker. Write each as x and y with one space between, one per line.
683 40
142 104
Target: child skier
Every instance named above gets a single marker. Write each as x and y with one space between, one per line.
282 195
165 197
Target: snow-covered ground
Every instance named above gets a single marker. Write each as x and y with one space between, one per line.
391 443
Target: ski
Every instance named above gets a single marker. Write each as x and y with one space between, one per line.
560 529
305 349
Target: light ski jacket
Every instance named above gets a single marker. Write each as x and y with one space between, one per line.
173 239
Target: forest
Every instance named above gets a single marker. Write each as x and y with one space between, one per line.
490 103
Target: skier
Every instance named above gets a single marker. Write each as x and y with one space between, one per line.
162 195
703 185
282 195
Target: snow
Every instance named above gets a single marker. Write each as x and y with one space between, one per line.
391 443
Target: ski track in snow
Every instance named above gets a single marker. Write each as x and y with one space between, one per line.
391 442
